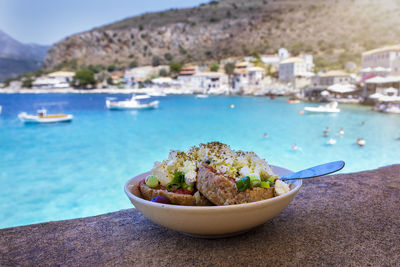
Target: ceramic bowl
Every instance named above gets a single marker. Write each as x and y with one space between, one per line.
211 221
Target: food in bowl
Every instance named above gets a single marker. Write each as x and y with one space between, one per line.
211 174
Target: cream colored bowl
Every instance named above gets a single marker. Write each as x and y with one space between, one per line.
211 221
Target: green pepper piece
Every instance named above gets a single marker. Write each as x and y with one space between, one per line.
243 183
254 181
177 182
271 179
265 185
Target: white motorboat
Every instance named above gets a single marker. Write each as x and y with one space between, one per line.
331 142
201 96
43 117
328 108
130 104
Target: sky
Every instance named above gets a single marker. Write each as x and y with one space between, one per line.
49 21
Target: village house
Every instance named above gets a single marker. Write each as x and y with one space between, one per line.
211 82
186 74
380 61
58 79
117 77
246 78
329 78
137 75
290 68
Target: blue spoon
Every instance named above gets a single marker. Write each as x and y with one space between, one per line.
315 171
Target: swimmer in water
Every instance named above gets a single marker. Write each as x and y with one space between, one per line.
341 132
360 142
325 134
265 135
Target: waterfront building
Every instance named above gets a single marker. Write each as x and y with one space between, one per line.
247 78
210 82
186 74
379 84
290 68
330 78
117 77
58 79
135 75
380 61
240 78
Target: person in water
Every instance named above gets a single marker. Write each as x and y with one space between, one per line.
360 142
325 134
341 132
295 147
265 135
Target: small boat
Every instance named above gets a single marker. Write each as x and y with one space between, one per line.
130 104
43 117
293 101
328 108
331 142
201 96
1 108
391 109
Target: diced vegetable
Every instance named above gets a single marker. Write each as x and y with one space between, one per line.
271 179
177 182
161 199
265 185
243 183
254 181
152 181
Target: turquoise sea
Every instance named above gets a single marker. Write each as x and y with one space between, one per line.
77 169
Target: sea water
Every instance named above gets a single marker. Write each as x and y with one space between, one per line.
77 169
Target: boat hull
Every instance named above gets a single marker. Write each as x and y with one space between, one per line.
320 110
116 106
49 119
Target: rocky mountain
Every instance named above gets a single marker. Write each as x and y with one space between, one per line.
334 31
17 58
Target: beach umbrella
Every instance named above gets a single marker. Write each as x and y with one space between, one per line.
324 93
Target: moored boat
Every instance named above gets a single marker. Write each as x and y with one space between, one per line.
201 96
130 104
43 117
328 108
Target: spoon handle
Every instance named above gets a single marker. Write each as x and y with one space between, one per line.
315 171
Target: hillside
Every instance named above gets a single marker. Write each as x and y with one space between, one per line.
333 31
17 58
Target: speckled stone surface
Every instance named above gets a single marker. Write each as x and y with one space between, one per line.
348 220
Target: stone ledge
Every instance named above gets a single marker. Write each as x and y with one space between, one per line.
346 219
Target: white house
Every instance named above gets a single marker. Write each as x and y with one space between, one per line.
211 82
58 79
290 68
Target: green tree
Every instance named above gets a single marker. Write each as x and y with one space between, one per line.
27 82
155 61
83 78
110 81
168 56
297 48
163 72
175 67
214 67
229 68
94 68
111 68
133 64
